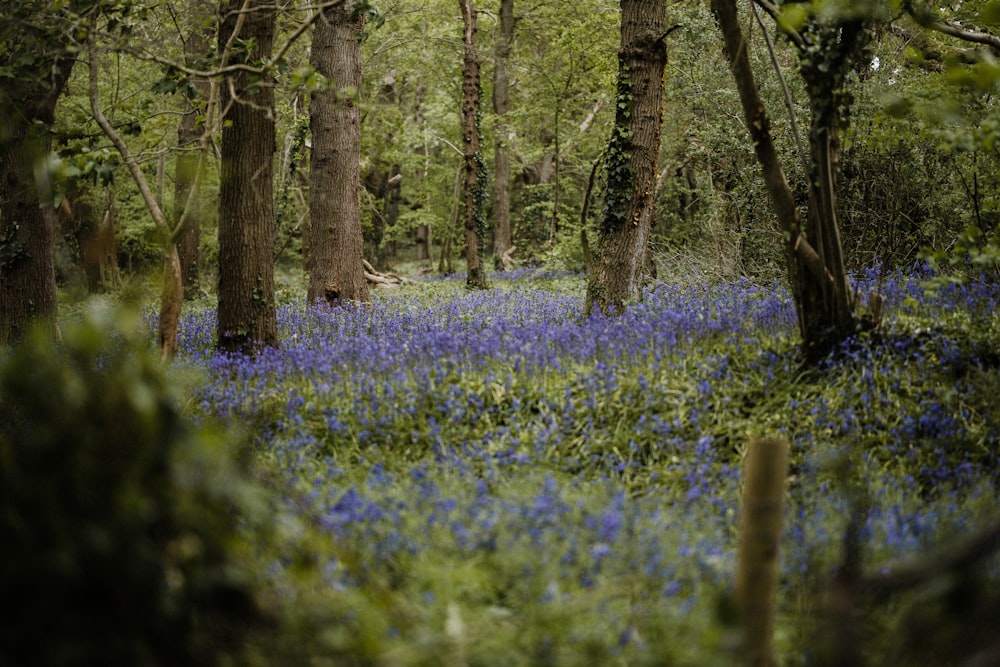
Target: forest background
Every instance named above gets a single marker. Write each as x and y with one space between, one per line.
374 425
917 175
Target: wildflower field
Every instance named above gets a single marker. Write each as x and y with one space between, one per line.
489 478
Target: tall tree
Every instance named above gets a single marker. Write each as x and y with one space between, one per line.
474 191
35 63
501 150
189 135
336 272
247 315
825 305
631 159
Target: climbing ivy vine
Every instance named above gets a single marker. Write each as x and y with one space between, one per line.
617 166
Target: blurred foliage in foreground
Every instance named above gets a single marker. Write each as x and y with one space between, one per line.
119 518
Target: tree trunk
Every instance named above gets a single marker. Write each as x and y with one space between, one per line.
27 220
421 241
27 234
475 165
247 317
828 305
627 213
94 232
823 301
336 274
501 155
188 161
757 571
390 208
832 314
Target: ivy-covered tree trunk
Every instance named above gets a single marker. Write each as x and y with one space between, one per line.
336 273
827 55
475 166
247 316
824 303
631 160
501 152
38 59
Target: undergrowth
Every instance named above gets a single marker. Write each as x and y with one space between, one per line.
490 478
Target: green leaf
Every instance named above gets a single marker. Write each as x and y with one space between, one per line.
793 17
990 14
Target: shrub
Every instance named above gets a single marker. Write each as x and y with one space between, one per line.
118 517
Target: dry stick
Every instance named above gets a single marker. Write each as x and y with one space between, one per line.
765 472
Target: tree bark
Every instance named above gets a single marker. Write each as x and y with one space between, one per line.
421 243
336 273
247 316
27 219
764 475
475 166
627 213
501 153
27 234
759 125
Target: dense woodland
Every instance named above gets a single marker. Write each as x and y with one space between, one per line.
551 134
443 331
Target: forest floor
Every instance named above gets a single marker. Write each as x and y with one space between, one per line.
490 478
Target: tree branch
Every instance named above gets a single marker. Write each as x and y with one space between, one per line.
116 139
929 19
803 154
775 12
224 70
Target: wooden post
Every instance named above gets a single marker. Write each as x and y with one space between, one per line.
765 472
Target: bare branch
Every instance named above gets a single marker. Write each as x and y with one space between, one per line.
315 12
133 165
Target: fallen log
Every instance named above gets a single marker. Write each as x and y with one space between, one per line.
377 278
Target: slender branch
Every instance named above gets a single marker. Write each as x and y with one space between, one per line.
171 235
787 94
211 105
224 70
451 145
240 20
102 121
775 12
